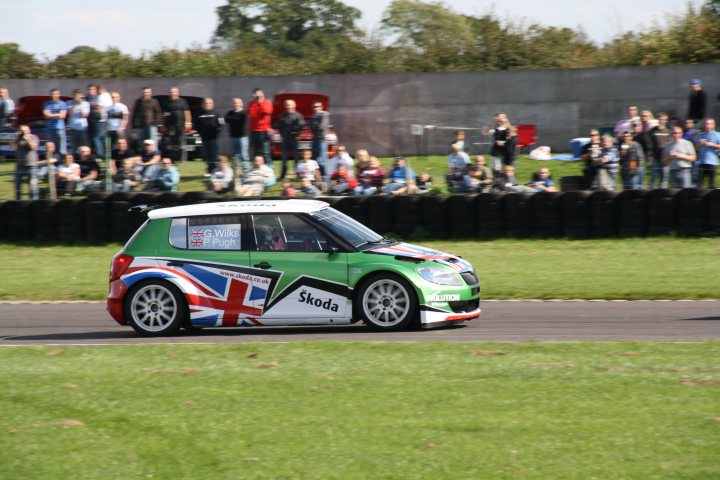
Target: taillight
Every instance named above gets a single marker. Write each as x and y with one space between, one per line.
119 265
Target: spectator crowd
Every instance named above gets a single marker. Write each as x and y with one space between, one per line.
130 149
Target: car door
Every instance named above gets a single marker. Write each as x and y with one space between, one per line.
204 257
312 275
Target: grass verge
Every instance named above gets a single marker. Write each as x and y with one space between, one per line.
641 268
336 410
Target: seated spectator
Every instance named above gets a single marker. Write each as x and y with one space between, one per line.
458 164
607 165
309 188
47 166
68 175
89 170
542 181
256 179
505 181
371 177
149 161
341 182
362 161
288 189
423 183
310 169
342 157
120 153
480 175
166 178
126 178
222 179
402 178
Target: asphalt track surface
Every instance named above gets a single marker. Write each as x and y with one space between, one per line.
506 321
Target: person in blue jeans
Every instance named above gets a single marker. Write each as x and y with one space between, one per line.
319 125
402 178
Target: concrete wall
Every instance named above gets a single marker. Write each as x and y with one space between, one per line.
375 111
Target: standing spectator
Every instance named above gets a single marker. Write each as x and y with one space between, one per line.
125 178
177 120
256 179
260 112
402 178
542 181
99 101
342 157
342 182
689 130
708 146
371 177
632 161
510 146
120 153
481 177
319 126
166 178
697 101
209 125
458 138
55 111
236 119
589 155
607 165
659 136
89 170
149 161
289 125
310 169
146 116
7 108
499 133
458 163
118 114
679 155
26 159
222 178
626 124
68 175
78 111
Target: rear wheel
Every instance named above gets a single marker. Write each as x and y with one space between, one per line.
387 302
155 308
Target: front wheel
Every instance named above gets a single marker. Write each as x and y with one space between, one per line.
386 302
155 308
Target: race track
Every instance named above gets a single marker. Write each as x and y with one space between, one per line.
506 321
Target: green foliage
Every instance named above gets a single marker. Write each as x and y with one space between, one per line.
14 63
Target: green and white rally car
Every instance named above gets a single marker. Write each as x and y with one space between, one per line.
281 262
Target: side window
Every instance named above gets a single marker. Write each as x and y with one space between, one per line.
218 232
287 233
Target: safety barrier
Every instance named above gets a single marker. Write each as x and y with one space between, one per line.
104 217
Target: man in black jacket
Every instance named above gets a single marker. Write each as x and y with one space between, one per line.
236 119
697 102
209 124
289 125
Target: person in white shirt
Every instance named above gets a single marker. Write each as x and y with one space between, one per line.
118 114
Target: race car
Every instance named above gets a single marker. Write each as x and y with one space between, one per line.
304 103
281 262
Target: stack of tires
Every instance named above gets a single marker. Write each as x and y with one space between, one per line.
122 225
462 215
19 224
692 207
354 207
519 218
490 216
712 205
71 220
434 216
547 214
661 212
632 221
605 213
380 213
3 220
577 220
98 217
45 220
406 211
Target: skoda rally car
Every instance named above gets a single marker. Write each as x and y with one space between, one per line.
281 262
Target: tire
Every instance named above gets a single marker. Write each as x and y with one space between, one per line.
386 302
155 308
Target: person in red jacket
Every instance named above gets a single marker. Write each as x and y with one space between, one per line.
259 111
341 182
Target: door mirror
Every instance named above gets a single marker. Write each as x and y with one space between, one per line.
330 249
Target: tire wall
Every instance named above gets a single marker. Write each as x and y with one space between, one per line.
102 218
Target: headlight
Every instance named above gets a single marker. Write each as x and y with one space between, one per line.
439 275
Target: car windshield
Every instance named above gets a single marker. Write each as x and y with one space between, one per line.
347 228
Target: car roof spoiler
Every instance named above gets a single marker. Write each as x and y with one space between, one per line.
142 210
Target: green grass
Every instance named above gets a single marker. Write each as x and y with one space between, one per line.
641 268
357 411
191 173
